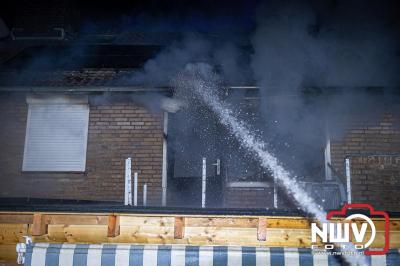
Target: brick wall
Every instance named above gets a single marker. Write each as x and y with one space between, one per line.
376 180
373 181
120 130
116 131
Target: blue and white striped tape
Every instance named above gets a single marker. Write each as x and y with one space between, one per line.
45 254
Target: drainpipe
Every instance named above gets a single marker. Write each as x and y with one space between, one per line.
60 37
164 162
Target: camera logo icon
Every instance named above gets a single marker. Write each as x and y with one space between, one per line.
340 233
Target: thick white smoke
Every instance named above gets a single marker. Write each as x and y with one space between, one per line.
199 81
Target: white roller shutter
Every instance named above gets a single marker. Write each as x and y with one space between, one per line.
56 135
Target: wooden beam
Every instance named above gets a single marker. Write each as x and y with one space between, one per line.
80 219
190 220
179 228
113 229
262 229
11 262
193 236
39 226
16 219
7 252
221 222
232 222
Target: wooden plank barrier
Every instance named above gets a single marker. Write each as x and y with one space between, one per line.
261 231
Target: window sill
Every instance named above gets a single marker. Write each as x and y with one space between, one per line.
249 184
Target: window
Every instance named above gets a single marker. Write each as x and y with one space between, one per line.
56 134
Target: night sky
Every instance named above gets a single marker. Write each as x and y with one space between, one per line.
204 16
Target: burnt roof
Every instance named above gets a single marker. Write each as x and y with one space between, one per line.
106 67
67 78
77 65
76 57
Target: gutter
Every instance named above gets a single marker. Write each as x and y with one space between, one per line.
82 89
128 88
60 37
102 88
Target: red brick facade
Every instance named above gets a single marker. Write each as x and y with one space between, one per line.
375 171
116 131
376 180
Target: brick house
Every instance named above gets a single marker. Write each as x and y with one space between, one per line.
114 123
